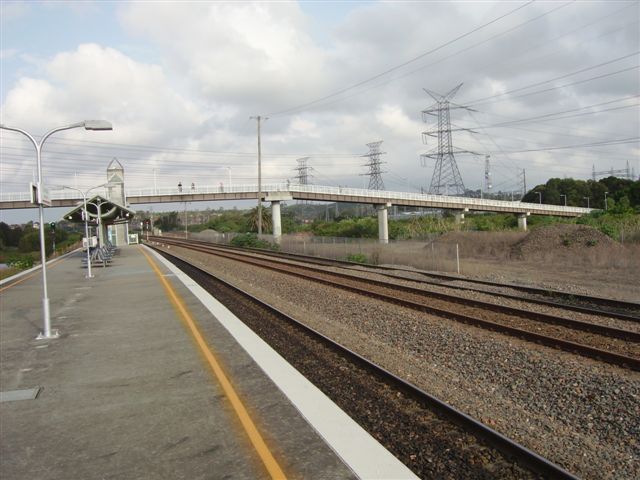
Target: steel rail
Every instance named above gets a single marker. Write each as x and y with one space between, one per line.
566 345
520 312
620 304
507 446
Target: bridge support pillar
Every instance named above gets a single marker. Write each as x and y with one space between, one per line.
275 198
276 221
383 223
460 215
522 221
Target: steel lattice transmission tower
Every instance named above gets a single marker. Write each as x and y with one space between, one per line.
446 177
374 162
487 175
303 171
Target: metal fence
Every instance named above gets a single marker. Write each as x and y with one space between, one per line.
427 254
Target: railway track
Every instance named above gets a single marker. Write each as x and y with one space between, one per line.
613 345
432 438
613 308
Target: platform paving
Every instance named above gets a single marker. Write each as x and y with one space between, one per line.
125 393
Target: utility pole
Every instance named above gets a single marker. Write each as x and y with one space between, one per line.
259 119
186 222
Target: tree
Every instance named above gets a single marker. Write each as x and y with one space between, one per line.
252 220
167 222
555 189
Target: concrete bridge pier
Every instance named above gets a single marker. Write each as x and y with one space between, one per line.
522 221
276 219
383 223
460 215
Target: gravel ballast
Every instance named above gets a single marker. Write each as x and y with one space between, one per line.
579 413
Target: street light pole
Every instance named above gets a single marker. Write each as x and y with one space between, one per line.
88 125
99 232
565 199
259 119
606 207
587 199
539 197
86 223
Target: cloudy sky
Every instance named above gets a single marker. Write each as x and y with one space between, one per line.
553 88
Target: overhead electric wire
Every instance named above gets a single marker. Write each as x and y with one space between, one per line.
508 92
380 84
578 82
161 149
521 57
621 141
475 45
392 69
549 116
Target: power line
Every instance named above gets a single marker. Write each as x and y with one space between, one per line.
482 100
162 149
578 82
621 141
392 69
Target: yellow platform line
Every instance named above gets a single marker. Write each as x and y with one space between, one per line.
250 428
27 277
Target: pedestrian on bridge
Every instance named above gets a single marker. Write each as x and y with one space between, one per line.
180 187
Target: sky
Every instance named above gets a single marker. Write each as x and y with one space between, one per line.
551 88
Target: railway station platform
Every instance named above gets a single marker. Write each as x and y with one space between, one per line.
151 379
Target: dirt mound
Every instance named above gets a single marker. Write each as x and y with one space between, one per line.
561 238
472 244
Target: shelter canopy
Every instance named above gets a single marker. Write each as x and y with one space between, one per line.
110 212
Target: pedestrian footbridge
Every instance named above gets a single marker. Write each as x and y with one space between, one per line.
276 193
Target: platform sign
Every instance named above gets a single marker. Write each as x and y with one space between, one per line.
33 192
39 194
93 242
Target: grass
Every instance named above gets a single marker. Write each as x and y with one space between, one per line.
8 272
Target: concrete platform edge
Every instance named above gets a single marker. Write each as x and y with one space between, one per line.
362 453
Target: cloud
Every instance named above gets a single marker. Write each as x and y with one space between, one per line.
216 63
248 52
100 82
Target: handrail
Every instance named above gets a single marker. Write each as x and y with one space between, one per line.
367 196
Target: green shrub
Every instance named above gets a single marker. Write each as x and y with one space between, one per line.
20 261
251 240
357 258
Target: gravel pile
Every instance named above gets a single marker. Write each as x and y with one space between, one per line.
581 414
563 238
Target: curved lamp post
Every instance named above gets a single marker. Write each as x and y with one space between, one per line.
99 233
86 222
539 197
87 125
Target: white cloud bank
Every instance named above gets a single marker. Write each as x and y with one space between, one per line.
219 63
